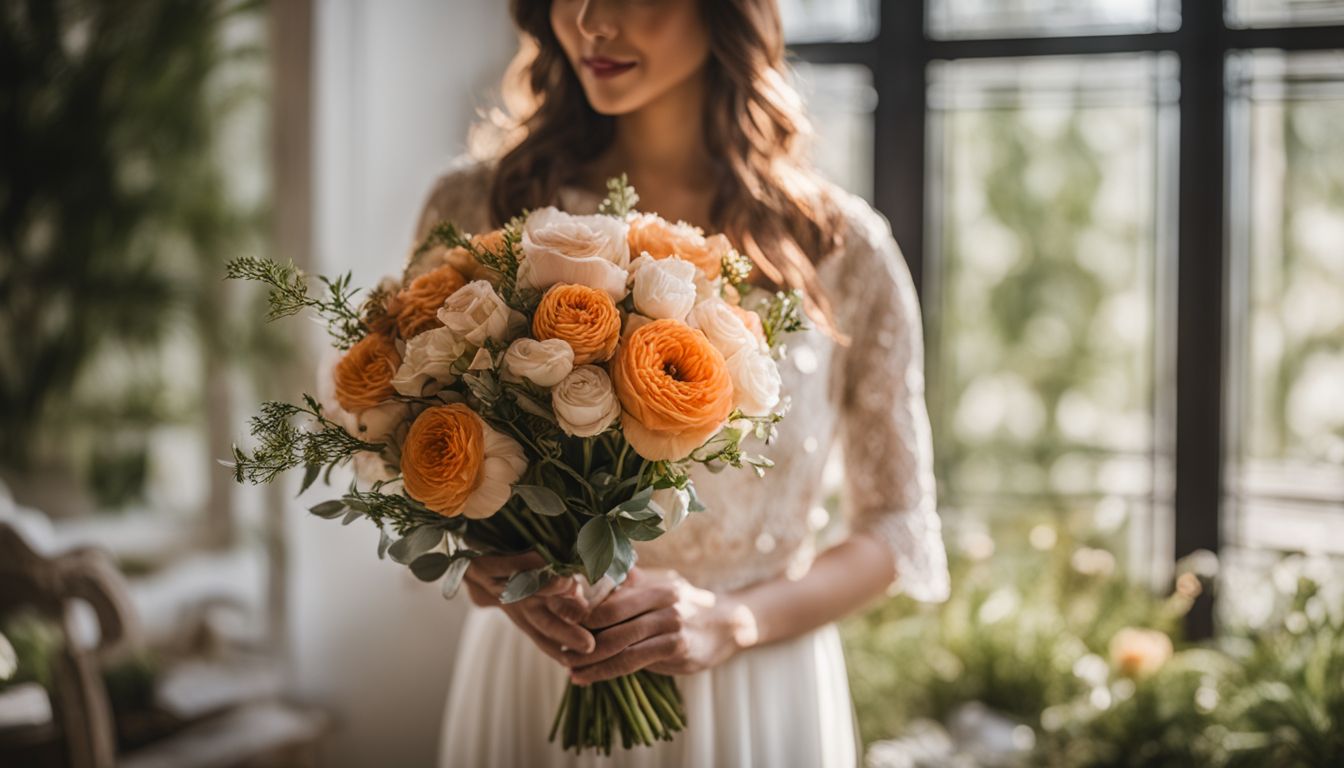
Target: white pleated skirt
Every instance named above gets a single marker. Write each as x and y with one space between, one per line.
782 705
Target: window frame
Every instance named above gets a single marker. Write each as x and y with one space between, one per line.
899 57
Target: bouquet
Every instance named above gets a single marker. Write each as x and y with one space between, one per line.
546 386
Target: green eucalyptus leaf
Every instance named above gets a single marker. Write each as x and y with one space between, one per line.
430 567
648 513
541 499
415 543
694 505
596 544
384 541
521 585
310 474
351 516
623 557
329 510
639 530
452 578
636 503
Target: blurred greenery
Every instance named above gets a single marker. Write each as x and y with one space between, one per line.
1045 638
116 216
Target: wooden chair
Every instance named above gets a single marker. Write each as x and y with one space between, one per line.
82 731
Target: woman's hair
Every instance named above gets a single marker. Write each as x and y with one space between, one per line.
769 200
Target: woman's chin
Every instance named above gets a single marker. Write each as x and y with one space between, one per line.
610 102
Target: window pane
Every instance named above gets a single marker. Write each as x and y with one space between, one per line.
1269 13
1286 480
807 21
840 100
1050 183
1033 18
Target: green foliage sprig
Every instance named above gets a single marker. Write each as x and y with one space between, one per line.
621 198
283 445
781 315
289 296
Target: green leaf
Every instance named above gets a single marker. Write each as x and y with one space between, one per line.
351 516
596 544
431 566
639 530
541 499
383 542
310 474
637 503
328 510
452 579
694 505
521 585
623 557
416 543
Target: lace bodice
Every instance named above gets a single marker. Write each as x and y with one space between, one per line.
866 399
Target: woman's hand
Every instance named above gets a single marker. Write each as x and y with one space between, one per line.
659 621
551 617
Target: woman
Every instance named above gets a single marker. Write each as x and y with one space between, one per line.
689 98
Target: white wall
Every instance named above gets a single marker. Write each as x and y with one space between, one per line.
397 84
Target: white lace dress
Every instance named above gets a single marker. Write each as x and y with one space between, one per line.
785 704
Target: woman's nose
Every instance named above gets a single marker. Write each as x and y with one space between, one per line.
596 20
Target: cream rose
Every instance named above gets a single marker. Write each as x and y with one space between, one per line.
755 381
543 363
672 504
476 313
664 288
585 250
376 424
723 327
504 463
427 362
585 402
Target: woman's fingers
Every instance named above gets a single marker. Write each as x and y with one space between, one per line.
556 629
613 640
480 595
630 601
632 659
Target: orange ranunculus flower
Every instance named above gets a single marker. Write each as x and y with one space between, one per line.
442 457
661 239
456 464
417 305
674 388
363 376
490 241
584 317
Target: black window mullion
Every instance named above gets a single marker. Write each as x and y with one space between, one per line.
899 127
1200 293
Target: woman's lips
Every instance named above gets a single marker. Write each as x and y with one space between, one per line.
603 67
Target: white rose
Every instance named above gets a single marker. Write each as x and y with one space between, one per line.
543 363
371 468
584 250
755 381
721 325
504 463
673 504
585 402
476 313
427 362
664 289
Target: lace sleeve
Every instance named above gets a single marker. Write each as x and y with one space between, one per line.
888 448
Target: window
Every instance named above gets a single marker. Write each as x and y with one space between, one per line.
1123 217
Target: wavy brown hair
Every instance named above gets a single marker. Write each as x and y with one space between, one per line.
768 199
